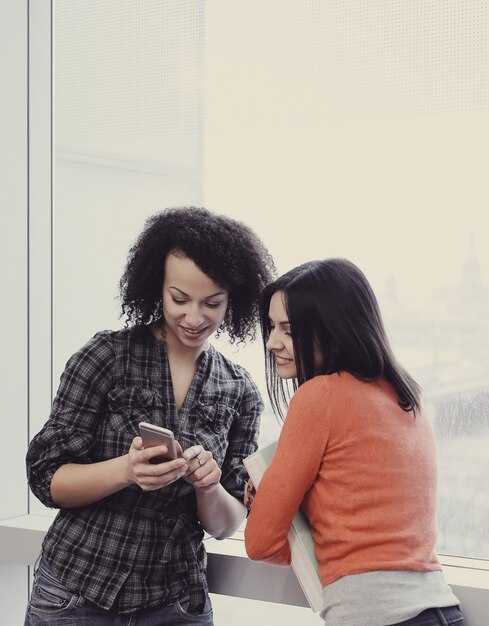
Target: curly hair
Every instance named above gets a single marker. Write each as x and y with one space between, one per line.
226 250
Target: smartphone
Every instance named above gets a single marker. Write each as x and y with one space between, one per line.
157 436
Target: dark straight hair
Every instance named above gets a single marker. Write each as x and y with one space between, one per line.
332 307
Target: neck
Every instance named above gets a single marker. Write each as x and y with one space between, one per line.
175 348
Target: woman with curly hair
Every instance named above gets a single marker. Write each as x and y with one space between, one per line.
127 542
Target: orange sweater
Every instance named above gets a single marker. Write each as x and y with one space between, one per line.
363 472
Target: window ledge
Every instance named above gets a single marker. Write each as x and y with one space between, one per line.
230 571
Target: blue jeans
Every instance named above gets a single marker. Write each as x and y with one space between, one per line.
52 604
436 617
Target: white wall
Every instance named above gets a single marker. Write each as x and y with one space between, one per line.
13 252
13 290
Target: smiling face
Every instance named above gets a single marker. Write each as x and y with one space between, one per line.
193 304
280 338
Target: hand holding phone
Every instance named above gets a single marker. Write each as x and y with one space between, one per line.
153 435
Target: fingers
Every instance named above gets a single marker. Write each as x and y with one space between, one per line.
153 475
150 470
197 458
137 443
202 467
151 454
192 452
213 477
179 449
249 494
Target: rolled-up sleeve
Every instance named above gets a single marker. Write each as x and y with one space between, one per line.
68 435
243 439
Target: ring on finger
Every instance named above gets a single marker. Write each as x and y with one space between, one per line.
201 461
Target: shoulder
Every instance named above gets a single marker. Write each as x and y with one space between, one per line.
120 347
337 382
234 373
114 339
99 346
229 368
89 367
314 386
106 344
327 386
93 358
344 394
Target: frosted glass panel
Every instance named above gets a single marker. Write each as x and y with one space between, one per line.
128 123
361 130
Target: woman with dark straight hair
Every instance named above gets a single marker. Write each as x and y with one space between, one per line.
356 453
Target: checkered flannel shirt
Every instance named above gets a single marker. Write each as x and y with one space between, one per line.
138 549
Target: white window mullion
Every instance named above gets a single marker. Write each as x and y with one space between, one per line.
40 218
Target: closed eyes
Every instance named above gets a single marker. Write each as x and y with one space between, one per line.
211 305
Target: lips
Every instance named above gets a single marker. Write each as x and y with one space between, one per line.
279 360
193 334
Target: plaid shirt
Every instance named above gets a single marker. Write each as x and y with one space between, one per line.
138 549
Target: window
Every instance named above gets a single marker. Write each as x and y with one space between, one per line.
360 130
332 129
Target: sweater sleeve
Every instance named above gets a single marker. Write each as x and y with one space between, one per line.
291 474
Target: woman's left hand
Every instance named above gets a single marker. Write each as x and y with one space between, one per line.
249 494
203 471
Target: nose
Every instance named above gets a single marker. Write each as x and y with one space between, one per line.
194 317
273 343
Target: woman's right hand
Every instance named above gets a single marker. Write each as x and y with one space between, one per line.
151 476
